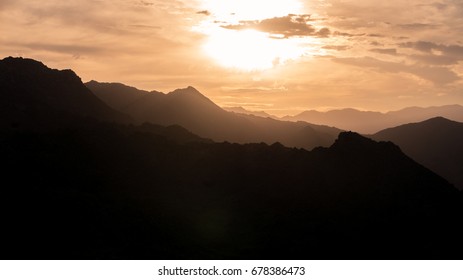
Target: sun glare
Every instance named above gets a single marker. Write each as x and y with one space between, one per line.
248 49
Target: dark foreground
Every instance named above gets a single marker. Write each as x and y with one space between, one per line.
100 191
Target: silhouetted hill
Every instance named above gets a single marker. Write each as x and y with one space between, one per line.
103 191
435 143
192 110
32 92
371 122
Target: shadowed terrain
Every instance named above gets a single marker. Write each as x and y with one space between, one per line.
86 188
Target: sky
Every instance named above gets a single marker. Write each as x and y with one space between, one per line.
282 57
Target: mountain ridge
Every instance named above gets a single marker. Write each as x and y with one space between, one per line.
369 122
200 115
33 92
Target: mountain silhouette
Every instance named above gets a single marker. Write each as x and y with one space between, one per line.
436 143
32 92
241 110
192 110
371 122
87 187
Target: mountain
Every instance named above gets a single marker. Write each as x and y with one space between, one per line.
86 188
190 109
349 119
417 114
241 110
368 122
32 92
436 143
102 192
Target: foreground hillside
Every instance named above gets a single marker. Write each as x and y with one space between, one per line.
99 191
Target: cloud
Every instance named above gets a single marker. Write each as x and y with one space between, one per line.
323 33
385 51
204 12
420 46
436 59
145 3
67 49
436 75
417 26
436 54
376 35
429 47
336 48
5 3
287 26
346 34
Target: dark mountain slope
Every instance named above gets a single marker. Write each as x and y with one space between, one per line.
192 110
435 143
118 95
32 92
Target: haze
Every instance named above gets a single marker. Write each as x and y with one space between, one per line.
279 56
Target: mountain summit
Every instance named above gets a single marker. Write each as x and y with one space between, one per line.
30 91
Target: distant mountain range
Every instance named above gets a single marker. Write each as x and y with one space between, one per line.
80 181
241 110
368 122
190 109
436 143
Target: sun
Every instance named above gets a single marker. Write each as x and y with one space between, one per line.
248 49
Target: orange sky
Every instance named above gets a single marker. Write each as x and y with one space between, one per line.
279 56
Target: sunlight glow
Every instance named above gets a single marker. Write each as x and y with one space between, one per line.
250 50
251 9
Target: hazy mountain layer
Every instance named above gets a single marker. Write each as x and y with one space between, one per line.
436 143
192 110
241 110
372 122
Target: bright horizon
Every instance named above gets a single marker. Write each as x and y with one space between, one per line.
282 57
